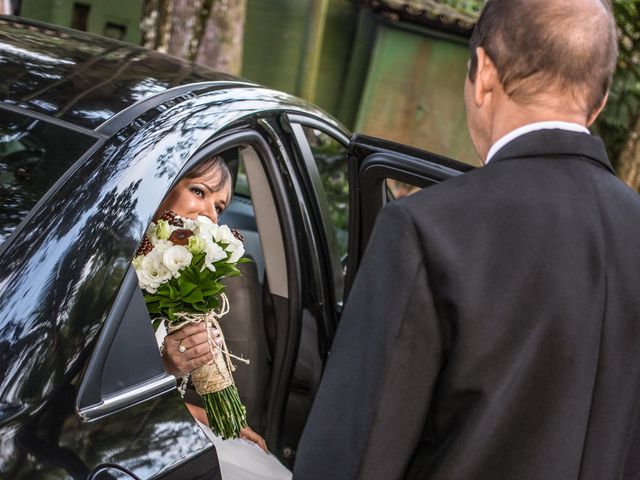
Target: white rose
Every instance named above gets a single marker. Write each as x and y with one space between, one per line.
152 273
205 227
152 263
213 253
189 224
224 234
176 258
236 253
160 246
147 282
236 250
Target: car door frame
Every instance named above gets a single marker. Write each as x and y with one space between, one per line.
257 133
331 267
371 162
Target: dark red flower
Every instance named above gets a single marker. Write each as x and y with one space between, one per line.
180 237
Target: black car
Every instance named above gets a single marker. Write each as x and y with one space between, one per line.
93 134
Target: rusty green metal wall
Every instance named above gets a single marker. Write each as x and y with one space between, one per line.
337 52
379 78
275 34
414 92
274 31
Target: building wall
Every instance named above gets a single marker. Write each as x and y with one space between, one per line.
274 31
378 77
414 91
275 35
115 18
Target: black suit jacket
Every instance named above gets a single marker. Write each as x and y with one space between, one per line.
493 331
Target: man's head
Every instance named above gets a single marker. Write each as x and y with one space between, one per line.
545 57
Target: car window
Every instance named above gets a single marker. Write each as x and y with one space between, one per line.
397 189
34 154
242 185
331 159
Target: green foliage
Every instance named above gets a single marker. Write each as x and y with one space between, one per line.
623 106
472 7
196 290
332 166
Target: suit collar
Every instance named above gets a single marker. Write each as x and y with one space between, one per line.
556 143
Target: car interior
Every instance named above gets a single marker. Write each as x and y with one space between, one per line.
253 212
271 322
250 328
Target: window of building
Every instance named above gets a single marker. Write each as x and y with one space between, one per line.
80 16
115 30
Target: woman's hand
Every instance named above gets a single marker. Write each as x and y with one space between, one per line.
248 434
196 352
197 412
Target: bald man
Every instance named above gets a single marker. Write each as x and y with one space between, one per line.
493 331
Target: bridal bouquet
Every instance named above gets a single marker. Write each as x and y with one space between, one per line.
180 266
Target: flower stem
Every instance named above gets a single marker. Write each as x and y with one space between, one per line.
225 412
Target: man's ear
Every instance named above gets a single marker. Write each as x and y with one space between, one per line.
592 117
486 78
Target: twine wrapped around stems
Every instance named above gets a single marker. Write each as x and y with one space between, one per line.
214 381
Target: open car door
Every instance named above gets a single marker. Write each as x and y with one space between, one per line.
381 171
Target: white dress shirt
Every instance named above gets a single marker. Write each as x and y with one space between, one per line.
532 127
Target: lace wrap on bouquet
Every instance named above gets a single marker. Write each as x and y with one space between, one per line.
214 381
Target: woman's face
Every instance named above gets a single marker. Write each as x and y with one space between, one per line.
197 196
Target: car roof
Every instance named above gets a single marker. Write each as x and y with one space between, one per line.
86 79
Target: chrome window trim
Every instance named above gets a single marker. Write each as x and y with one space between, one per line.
130 396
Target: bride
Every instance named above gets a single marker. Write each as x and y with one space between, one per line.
206 191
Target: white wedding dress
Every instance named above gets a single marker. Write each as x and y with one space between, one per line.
244 460
240 459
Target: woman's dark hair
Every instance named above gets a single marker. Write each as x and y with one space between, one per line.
558 43
211 166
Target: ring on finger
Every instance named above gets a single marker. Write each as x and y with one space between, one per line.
182 348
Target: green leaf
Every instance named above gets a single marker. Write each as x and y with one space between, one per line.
201 307
198 261
194 297
186 288
189 275
153 308
173 292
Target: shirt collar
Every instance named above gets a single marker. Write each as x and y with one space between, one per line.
532 127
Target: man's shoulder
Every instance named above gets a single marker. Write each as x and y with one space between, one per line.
454 192
473 196
521 186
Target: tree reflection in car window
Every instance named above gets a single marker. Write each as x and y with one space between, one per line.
33 155
331 159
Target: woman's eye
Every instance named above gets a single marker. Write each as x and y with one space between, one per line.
197 191
219 209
